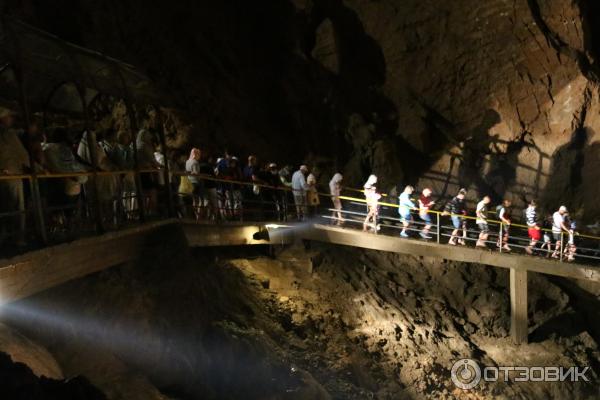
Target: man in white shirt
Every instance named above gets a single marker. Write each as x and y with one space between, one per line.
299 188
504 216
481 212
558 226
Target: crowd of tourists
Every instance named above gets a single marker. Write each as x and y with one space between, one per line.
553 234
63 160
221 188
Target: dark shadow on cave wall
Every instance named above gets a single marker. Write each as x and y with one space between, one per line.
481 150
573 177
359 84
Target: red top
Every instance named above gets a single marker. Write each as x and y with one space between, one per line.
426 201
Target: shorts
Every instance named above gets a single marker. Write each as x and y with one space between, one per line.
484 228
456 221
426 217
534 234
300 199
556 236
337 203
405 217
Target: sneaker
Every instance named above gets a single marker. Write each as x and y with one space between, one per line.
424 235
404 234
506 248
452 241
528 250
480 244
462 242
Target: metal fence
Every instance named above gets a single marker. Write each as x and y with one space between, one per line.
110 200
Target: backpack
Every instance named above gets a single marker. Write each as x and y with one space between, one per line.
498 209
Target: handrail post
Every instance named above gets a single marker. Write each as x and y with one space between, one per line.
92 145
500 237
167 169
438 227
24 103
562 244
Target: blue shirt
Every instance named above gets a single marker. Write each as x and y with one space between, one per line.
405 203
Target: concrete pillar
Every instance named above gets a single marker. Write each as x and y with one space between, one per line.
518 305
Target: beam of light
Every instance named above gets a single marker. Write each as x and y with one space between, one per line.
138 342
277 226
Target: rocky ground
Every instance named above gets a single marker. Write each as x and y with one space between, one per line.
318 323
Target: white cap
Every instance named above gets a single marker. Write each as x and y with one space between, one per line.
563 209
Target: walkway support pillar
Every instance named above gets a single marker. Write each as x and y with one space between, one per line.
518 305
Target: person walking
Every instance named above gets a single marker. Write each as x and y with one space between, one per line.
503 212
312 194
533 229
571 246
299 188
192 167
456 209
425 204
482 223
14 160
547 223
405 205
335 189
372 199
558 227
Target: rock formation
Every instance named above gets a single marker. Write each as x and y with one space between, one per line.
497 96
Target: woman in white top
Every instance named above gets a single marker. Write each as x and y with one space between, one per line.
372 198
335 189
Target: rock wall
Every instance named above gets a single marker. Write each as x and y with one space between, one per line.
498 96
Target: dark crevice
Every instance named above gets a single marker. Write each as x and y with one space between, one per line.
587 67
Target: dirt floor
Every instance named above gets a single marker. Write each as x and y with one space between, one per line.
307 323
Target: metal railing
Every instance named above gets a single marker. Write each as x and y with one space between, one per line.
220 200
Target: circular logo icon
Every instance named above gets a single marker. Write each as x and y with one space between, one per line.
466 373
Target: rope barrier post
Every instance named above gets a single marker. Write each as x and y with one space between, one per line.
562 244
438 227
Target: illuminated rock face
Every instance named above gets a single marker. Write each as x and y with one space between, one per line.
488 94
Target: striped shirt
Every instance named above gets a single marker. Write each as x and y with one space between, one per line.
531 216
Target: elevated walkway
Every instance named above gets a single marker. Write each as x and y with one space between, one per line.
39 270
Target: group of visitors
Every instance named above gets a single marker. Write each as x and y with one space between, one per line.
221 188
62 150
545 234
